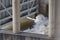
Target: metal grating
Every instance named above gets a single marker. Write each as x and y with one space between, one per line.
9 35
26 7
20 37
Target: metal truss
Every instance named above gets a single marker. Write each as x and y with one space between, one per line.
10 8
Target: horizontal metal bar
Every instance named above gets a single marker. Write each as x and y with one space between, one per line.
28 9
27 2
5 18
21 17
21 13
33 35
5 9
11 7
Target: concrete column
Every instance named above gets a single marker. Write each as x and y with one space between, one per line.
51 17
57 34
16 15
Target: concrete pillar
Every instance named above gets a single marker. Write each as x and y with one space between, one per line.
57 31
16 15
51 17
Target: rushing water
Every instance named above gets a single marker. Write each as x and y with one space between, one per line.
40 26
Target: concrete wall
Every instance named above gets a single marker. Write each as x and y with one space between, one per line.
57 35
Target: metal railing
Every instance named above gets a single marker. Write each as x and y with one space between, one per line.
9 35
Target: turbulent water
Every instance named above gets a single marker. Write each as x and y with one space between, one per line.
40 26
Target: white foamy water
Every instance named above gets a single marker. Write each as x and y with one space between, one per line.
40 25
